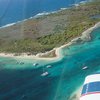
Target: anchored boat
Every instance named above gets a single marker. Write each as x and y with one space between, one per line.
85 67
45 73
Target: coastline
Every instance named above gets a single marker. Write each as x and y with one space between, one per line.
38 15
43 13
84 37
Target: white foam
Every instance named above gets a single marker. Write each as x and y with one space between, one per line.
63 8
11 24
83 2
44 13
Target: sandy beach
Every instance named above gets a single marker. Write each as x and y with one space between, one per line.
85 36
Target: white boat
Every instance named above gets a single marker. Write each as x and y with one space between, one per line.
21 63
85 67
35 64
44 74
49 66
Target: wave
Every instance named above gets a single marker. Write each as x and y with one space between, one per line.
7 25
41 14
36 16
81 2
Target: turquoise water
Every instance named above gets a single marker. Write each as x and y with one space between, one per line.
24 82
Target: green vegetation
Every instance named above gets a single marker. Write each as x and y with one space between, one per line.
23 45
79 19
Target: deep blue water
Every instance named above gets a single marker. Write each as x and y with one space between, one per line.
16 10
24 82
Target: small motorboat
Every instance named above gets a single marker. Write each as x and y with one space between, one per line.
21 63
35 64
44 74
85 67
49 66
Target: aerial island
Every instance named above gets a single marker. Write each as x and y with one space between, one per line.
42 35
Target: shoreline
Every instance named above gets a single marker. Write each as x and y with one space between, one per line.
38 15
84 37
42 14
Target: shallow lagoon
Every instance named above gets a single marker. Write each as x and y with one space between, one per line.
24 82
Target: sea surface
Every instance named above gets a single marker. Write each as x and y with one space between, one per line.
12 11
24 81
